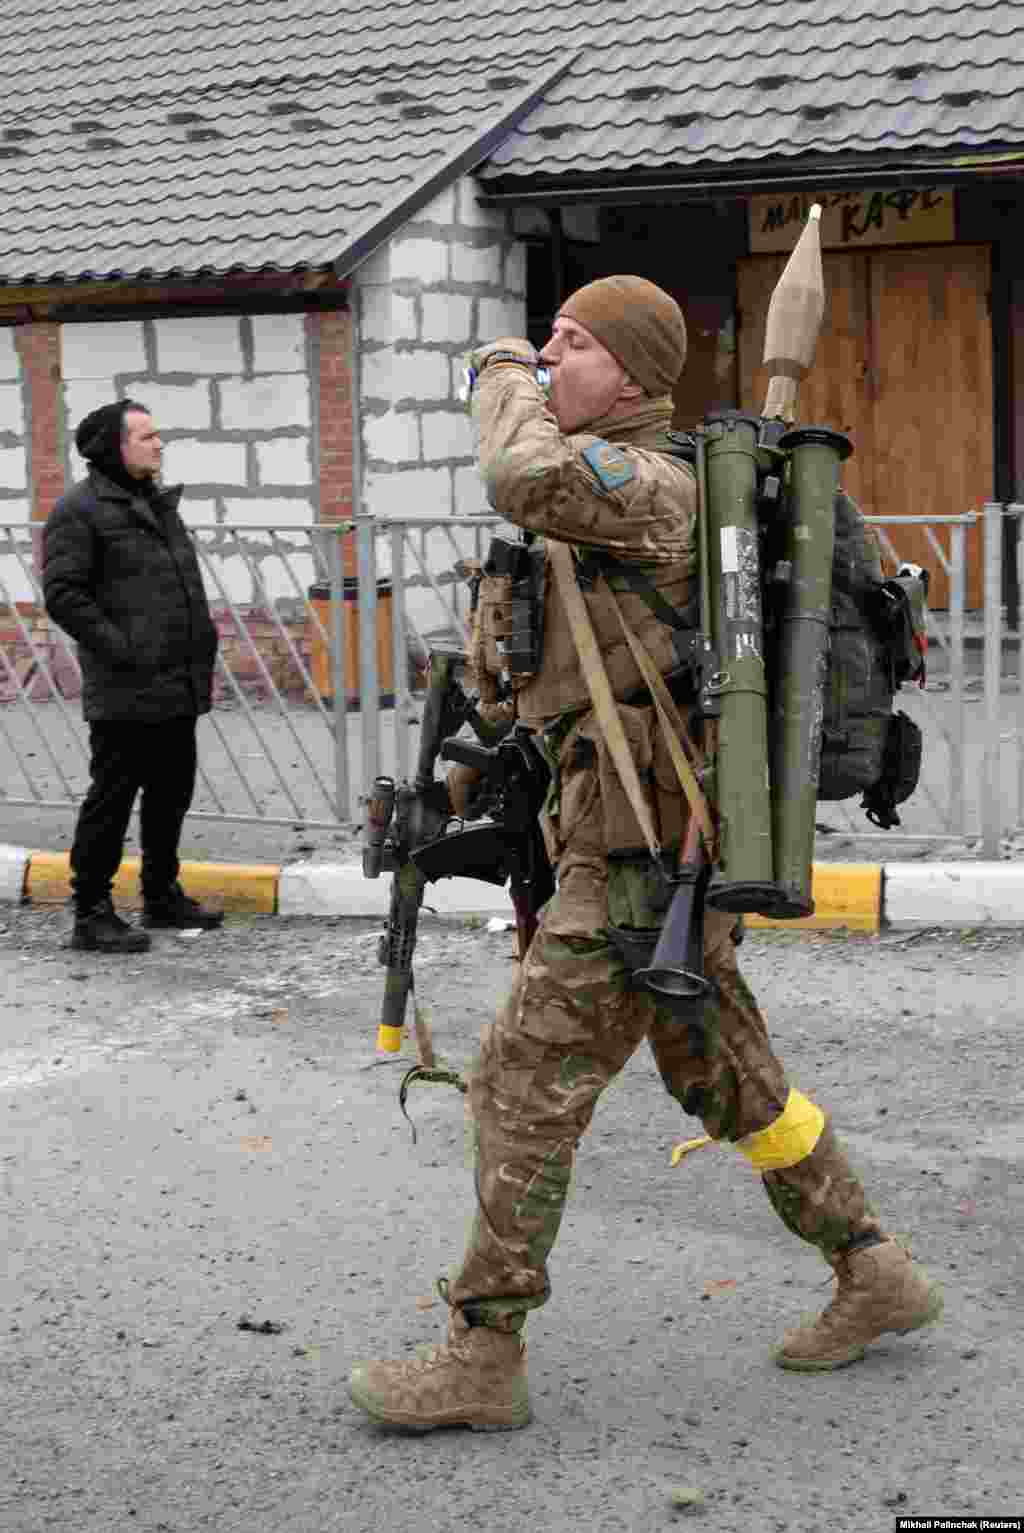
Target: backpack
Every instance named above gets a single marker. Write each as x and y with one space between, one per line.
876 641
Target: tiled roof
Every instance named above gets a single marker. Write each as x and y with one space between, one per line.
148 140
140 138
721 84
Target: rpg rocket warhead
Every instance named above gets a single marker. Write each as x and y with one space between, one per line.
794 321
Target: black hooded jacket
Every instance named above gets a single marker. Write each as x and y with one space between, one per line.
120 575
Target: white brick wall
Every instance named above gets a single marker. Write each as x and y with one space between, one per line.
196 512
212 344
187 461
103 349
248 404
425 301
470 212
375 373
419 260
375 313
279 343
284 460
448 434
12 472
10 362
178 406
267 511
447 317
501 317
394 437
469 498
442 209
419 376
477 264
12 408
387 316
410 492
196 416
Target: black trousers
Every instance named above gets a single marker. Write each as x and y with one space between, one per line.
156 760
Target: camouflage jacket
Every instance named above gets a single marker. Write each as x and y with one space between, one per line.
621 496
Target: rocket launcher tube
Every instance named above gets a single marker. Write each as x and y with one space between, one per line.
743 880
815 454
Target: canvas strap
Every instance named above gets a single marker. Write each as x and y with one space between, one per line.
606 709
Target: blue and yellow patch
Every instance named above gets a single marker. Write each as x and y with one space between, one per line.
609 464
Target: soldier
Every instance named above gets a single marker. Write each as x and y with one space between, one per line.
590 466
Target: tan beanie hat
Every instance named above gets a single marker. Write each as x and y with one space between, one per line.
639 323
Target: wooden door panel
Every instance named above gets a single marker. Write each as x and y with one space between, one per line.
932 385
904 368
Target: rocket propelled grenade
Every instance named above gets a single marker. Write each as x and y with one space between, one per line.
795 314
769 493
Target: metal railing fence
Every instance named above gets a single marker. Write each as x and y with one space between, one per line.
318 675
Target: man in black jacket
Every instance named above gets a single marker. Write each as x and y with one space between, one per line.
120 574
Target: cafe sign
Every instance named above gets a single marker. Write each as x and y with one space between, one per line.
852 219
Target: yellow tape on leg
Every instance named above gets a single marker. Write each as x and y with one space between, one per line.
788 1140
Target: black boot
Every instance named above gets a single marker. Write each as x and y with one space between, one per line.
175 909
99 929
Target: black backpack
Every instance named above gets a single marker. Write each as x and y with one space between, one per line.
876 642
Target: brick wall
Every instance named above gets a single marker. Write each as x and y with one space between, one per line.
256 414
38 348
330 338
451 278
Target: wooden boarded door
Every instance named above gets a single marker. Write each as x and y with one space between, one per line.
904 368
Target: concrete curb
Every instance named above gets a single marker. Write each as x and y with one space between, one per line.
859 896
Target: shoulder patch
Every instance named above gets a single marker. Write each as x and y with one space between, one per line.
609 464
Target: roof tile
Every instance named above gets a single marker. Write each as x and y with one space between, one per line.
221 135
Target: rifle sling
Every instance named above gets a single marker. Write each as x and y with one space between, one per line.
599 687
674 730
606 709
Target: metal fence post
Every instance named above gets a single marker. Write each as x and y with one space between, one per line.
1017 510
369 681
957 668
336 575
991 803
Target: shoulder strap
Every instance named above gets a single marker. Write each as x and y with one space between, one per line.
599 687
606 708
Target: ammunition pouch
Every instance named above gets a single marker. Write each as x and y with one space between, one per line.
510 611
901 768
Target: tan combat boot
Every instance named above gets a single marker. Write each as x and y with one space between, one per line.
878 1289
476 1379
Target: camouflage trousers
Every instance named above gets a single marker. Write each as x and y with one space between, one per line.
569 1026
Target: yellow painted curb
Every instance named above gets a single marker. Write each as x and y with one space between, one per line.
248 887
845 894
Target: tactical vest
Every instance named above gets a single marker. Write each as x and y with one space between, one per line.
521 634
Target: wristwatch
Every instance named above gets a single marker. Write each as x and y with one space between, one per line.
506 356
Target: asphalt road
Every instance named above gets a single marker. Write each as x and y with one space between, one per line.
212 1207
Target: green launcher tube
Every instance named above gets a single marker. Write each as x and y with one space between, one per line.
815 454
743 879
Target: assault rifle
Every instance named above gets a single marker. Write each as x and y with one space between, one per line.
411 831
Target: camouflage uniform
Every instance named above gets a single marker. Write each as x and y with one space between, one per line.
573 1019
